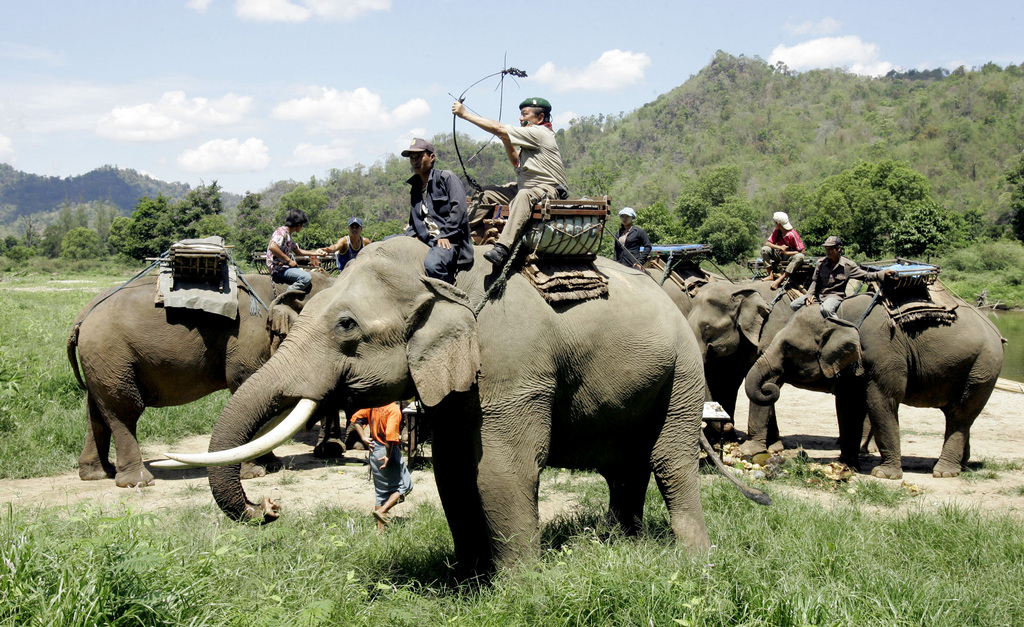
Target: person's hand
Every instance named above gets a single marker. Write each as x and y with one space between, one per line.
383 461
458 109
292 263
890 274
638 266
810 300
444 243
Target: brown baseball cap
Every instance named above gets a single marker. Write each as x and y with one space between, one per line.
418 145
833 241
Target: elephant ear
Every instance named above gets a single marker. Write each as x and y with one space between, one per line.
840 347
283 311
752 313
443 353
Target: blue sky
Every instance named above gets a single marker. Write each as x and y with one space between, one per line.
248 92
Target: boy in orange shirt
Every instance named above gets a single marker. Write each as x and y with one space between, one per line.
391 478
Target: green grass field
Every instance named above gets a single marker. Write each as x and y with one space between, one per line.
794 563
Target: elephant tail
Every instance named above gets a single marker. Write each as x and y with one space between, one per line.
753 494
73 354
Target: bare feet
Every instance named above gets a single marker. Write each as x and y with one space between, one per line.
778 282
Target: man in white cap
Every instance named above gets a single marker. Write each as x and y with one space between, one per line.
783 246
632 246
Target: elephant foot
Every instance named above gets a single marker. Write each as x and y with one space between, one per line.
854 463
96 471
751 448
776 447
945 471
887 472
134 478
329 449
252 470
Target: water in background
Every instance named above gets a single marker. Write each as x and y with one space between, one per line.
1011 325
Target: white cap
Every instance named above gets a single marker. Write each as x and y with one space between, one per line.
780 217
627 211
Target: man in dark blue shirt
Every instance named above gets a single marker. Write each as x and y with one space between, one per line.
438 215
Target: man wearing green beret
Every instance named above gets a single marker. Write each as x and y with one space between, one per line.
534 154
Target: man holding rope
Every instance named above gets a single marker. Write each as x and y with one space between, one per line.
533 152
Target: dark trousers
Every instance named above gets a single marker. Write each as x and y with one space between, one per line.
441 264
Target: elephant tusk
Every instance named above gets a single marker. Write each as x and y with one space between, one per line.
277 436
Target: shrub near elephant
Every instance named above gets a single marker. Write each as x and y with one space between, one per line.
546 385
136 355
952 366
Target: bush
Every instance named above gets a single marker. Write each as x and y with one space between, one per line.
987 256
19 254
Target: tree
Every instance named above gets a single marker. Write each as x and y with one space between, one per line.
199 203
732 230
925 228
662 226
80 243
253 227
312 200
148 233
1015 177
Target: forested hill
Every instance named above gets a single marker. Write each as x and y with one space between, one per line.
28 194
962 131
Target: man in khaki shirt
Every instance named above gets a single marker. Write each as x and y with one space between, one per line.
533 152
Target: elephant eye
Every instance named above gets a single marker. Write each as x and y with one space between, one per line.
347 323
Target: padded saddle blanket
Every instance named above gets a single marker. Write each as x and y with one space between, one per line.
566 281
219 297
925 304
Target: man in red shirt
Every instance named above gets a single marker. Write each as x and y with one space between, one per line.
391 478
783 246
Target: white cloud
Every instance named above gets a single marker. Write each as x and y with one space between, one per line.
226 156
172 117
6 150
826 26
337 152
612 71
199 6
359 110
21 52
563 119
303 10
847 52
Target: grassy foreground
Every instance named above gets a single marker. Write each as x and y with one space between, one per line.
794 563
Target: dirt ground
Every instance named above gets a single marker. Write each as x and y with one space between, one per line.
807 420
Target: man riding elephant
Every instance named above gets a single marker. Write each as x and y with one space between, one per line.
533 152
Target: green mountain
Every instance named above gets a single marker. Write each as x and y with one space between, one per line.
23 194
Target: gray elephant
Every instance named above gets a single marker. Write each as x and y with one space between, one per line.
952 366
612 384
733 325
136 355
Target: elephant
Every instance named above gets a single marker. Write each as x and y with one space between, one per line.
951 365
136 355
733 325
510 388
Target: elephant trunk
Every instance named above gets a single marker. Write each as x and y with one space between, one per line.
248 410
761 383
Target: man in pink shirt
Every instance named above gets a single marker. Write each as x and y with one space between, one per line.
783 246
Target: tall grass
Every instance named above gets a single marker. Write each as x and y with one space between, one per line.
794 563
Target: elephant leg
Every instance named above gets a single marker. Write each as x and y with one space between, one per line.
674 462
94 462
509 477
627 490
759 420
261 466
332 443
867 439
456 456
852 414
956 446
883 411
131 473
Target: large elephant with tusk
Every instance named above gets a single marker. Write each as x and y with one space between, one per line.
612 384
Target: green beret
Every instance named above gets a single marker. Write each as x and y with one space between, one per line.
536 102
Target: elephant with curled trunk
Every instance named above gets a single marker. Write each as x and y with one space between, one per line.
733 325
871 371
611 384
136 355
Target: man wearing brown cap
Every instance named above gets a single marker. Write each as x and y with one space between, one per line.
438 214
532 149
831 276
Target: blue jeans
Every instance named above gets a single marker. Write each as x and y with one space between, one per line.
299 279
394 477
828 308
441 264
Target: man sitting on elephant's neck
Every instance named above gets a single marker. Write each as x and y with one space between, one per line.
831 276
438 216
280 250
533 152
